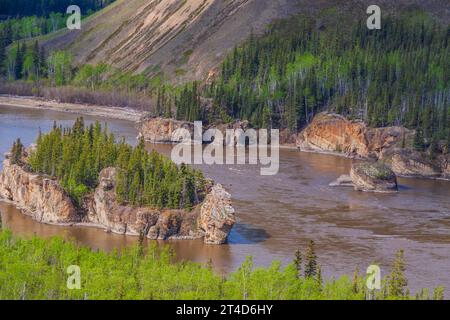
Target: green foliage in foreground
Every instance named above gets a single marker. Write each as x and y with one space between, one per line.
36 269
76 157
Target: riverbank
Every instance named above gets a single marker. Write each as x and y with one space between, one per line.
328 134
79 109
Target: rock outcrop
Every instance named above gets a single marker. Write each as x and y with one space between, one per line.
329 132
216 216
46 201
373 176
160 130
410 163
334 133
369 177
40 197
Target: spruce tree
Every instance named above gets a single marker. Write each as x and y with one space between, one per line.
17 152
311 261
355 281
298 260
419 144
397 278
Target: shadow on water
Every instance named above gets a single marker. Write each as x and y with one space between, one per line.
402 187
246 234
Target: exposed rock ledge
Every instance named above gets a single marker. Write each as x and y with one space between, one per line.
332 133
369 177
160 130
44 200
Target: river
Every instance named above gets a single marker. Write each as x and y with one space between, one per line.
279 214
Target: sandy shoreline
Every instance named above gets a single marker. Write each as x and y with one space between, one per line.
82 109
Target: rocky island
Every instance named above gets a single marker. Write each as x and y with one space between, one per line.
49 199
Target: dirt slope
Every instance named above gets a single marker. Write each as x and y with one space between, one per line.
187 39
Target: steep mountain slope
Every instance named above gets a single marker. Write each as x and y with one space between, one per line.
185 39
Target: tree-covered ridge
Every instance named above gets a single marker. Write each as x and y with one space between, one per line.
35 18
76 156
37 269
21 8
398 75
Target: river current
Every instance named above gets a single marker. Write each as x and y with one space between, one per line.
278 214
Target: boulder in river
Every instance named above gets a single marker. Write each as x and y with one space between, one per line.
370 177
373 176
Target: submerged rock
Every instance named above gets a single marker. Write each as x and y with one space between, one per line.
343 181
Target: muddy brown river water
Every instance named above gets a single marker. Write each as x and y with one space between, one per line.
278 214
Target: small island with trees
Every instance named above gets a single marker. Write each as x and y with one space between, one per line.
83 175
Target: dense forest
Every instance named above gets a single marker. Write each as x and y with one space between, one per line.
43 8
36 269
77 155
398 75
27 19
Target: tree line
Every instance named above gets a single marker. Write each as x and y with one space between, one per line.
77 155
43 8
398 75
36 270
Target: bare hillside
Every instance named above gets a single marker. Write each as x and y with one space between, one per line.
187 39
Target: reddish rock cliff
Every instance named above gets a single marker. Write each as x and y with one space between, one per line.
40 197
45 200
334 133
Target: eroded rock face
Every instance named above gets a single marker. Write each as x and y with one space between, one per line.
47 202
160 130
104 210
40 197
212 220
410 163
334 133
217 216
373 176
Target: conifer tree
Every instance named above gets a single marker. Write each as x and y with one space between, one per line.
298 261
397 278
310 261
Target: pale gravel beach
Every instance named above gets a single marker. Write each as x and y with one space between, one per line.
82 109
